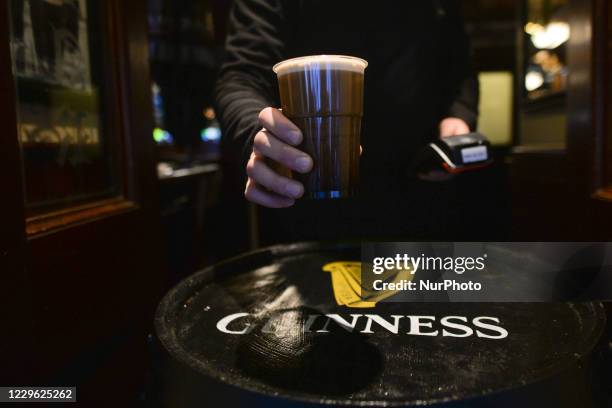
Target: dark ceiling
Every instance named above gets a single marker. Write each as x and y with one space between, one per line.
492 26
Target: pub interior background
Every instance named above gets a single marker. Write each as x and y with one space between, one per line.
96 228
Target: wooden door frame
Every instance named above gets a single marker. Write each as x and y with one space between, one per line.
14 292
130 115
566 194
602 101
590 105
582 94
22 274
127 38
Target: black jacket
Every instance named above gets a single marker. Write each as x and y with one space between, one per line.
418 73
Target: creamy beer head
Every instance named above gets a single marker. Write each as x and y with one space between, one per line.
323 96
336 62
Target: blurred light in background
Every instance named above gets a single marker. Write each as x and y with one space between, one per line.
162 136
550 36
209 113
211 134
158 104
533 80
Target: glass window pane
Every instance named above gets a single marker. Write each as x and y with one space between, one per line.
68 148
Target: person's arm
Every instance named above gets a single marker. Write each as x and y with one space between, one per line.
462 115
246 83
245 99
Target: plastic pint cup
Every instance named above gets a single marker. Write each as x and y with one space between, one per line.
323 96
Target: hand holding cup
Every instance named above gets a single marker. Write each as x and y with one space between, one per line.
273 159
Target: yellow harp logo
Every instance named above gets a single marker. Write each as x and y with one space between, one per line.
348 289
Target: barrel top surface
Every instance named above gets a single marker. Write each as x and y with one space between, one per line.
262 322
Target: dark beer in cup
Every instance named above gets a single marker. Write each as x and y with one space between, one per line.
323 96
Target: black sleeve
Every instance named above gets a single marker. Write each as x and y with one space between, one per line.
467 91
246 83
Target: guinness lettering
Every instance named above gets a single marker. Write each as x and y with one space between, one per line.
487 327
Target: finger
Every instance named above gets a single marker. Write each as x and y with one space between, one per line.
449 131
263 175
453 127
460 129
257 195
267 145
277 123
275 166
446 130
464 130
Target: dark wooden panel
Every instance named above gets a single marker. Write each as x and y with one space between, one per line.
94 277
607 50
546 204
603 149
15 313
97 279
565 196
602 197
581 131
590 127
